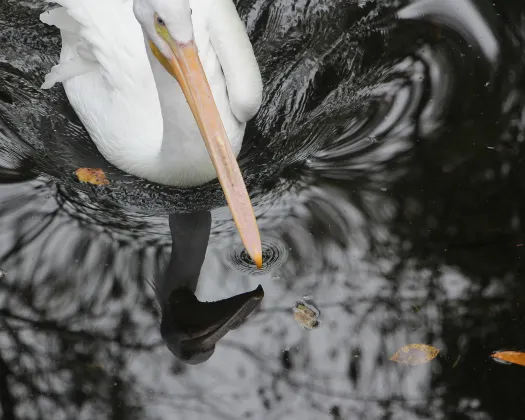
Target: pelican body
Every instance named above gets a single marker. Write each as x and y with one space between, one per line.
151 79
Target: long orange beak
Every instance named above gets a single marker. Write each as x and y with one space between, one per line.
186 67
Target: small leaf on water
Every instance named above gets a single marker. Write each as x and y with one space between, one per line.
306 314
97 366
92 176
456 362
506 357
415 354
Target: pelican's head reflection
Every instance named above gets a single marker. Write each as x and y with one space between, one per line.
191 328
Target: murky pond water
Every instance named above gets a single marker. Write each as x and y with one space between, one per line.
388 174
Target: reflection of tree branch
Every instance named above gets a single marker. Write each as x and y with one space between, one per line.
23 349
262 363
82 335
24 240
7 400
168 402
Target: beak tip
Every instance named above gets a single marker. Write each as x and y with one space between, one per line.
257 259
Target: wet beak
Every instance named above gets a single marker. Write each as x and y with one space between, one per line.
186 67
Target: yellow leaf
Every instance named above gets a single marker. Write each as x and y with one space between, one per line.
415 354
516 357
92 176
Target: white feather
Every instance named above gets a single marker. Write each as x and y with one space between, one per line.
121 92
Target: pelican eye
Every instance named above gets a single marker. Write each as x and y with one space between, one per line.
160 21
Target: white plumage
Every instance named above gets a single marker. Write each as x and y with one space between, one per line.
134 110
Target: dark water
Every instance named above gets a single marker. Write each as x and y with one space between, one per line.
387 167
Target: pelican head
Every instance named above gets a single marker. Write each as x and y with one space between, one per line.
191 328
167 25
165 21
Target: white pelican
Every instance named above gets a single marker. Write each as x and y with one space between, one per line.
149 78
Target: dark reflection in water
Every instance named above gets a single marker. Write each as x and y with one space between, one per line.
191 328
387 168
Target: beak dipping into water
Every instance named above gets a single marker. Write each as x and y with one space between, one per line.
186 67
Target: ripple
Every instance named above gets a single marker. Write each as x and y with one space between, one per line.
462 16
275 254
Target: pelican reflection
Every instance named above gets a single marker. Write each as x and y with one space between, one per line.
191 328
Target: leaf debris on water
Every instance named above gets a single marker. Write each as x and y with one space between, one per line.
96 366
415 354
306 314
508 357
92 176
456 362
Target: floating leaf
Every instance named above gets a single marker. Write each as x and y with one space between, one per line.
516 357
307 315
95 366
92 176
415 354
456 362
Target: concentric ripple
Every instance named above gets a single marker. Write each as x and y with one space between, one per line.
275 254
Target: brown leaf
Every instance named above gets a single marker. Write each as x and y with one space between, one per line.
92 176
306 314
415 354
516 357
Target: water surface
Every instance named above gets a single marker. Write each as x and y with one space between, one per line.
387 170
